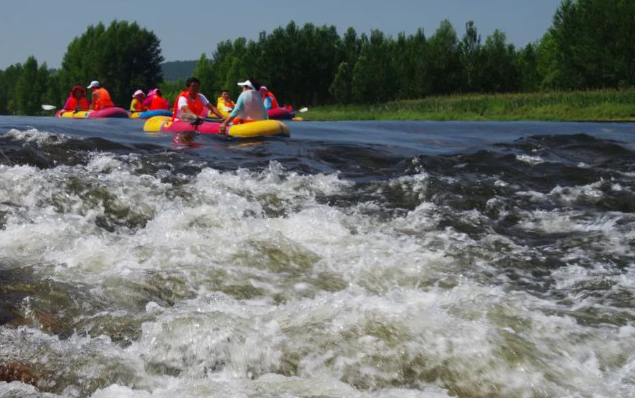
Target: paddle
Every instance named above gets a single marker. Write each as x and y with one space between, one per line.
48 107
193 119
188 117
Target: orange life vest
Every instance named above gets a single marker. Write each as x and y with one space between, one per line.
229 103
72 104
238 120
103 99
139 106
196 105
271 95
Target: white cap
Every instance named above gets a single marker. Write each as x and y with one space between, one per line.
138 92
247 83
94 83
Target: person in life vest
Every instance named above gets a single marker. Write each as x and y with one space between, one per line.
76 100
249 106
100 98
137 103
155 100
193 102
269 100
224 103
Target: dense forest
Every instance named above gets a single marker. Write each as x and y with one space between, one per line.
589 45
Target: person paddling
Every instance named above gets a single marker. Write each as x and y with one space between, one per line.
100 98
191 101
249 106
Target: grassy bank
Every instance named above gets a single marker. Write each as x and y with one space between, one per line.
589 106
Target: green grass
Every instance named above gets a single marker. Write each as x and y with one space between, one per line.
589 106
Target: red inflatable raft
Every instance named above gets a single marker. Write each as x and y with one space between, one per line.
102 113
279 113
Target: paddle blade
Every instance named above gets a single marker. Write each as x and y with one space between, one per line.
48 107
301 110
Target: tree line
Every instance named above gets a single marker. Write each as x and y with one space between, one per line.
122 57
590 45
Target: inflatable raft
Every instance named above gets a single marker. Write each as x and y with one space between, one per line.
261 128
280 113
102 113
149 114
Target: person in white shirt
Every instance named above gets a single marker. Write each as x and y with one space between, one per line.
249 106
193 102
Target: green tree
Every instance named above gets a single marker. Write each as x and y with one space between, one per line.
55 90
299 64
374 77
362 82
341 87
444 64
547 69
3 95
7 88
594 44
351 46
273 60
224 69
408 62
31 88
500 72
123 57
363 75
469 50
418 72
171 89
204 71
229 66
527 65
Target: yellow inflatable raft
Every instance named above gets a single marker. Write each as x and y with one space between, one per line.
261 128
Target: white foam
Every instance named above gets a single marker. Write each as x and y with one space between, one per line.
279 292
532 160
34 135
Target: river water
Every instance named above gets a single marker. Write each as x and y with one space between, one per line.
353 259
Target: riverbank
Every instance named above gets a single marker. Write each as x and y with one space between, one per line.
585 106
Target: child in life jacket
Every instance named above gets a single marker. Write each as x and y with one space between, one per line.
137 103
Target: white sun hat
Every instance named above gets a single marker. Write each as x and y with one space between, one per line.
247 83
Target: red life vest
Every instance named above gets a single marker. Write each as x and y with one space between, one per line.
229 103
271 95
139 106
72 104
158 103
196 105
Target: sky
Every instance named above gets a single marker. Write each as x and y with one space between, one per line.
187 29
